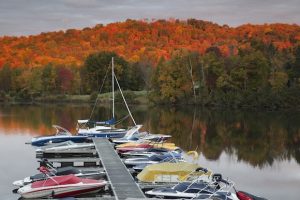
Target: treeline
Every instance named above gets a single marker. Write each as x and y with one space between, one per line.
30 83
261 76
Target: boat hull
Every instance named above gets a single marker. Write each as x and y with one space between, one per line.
41 141
60 191
104 134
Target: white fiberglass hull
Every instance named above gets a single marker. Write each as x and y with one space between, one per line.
60 190
182 195
67 147
138 161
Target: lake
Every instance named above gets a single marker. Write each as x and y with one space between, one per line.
259 151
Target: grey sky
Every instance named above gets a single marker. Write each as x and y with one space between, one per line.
24 17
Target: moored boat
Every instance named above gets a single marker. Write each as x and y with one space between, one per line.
60 187
62 135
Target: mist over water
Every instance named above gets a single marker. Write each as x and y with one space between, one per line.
259 151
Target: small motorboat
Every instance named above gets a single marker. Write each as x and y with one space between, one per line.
131 146
65 146
61 186
131 135
62 135
147 152
198 189
139 147
153 159
170 172
100 130
143 137
59 172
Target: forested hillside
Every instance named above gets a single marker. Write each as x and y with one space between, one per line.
140 40
190 61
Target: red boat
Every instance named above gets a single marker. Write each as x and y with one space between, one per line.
139 147
61 186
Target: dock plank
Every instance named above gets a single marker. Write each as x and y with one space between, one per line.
121 181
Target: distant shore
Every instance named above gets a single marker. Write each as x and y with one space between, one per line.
132 97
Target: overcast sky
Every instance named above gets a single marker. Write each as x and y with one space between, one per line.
24 17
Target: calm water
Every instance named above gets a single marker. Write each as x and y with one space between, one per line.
259 151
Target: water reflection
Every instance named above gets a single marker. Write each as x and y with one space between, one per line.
257 138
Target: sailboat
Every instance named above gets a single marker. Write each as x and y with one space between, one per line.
106 128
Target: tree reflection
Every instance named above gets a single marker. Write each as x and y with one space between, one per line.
258 138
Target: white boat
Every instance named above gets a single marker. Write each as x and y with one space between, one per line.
165 157
146 153
65 146
60 187
131 135
198 189
91 174
143 137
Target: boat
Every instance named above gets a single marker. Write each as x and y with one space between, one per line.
105 129
138 168
59 172
64 146
61 187
198 189
168 172
62 135
100 131
129 162
148 152
143 137
134 146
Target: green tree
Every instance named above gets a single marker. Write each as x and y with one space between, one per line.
278 80
5 78
174 80
257 70
48 79
96 66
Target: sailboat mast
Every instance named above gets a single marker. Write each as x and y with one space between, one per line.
113 86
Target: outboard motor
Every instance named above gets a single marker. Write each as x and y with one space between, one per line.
217 177
45 163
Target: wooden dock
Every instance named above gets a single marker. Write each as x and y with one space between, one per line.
122 183
75 162
67 153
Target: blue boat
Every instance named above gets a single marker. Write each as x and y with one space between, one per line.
61 135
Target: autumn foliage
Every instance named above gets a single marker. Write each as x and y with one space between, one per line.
140 40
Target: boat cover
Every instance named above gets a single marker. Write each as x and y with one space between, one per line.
57 180
170 172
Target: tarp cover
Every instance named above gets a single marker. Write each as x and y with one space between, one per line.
169 172
57 180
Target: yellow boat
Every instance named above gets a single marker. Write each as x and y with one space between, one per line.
168 145
172 172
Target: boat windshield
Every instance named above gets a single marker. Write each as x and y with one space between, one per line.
182 186
61 131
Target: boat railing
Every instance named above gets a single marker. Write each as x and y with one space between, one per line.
195 172
227 184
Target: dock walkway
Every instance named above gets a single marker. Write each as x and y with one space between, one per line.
121 181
